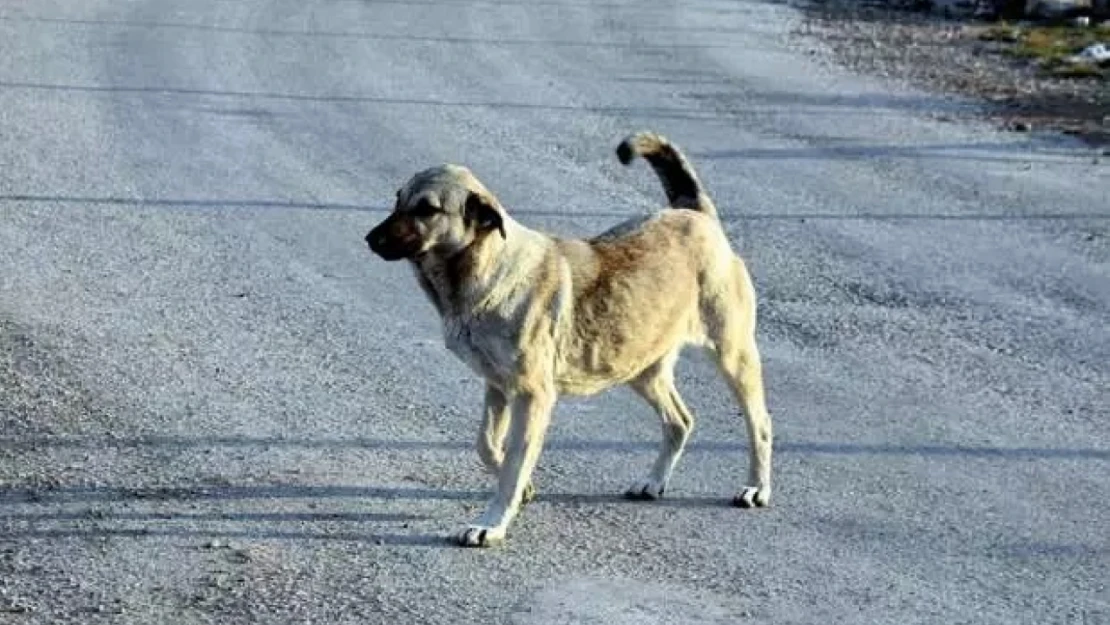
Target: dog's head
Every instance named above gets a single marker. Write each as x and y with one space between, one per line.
440 211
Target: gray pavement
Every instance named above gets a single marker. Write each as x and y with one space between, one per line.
217 407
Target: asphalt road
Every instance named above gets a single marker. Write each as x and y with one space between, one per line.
218 407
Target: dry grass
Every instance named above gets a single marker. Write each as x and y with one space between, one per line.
1074 70
1050 46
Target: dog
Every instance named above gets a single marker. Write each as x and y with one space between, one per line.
538 316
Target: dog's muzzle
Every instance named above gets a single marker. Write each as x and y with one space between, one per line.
389 247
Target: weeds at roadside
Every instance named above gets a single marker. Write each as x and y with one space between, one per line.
1050 47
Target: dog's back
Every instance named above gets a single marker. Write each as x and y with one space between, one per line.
640 289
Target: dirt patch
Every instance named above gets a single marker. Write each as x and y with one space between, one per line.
1020 72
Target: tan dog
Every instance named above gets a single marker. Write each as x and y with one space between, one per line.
538 316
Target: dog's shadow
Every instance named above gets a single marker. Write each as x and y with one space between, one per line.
203 513
108 511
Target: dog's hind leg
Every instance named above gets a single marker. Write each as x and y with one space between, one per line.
656 386
491 436
744 372
738 360
731 327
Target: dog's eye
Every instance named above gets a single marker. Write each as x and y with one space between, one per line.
423 208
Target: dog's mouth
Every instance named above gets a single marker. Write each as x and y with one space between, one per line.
390 255
392 250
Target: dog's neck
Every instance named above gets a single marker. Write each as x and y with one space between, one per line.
485 275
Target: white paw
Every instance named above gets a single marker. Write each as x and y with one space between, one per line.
480 536
752 497
645 490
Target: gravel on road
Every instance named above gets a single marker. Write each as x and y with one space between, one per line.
217 407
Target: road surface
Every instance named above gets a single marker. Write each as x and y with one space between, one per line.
218 407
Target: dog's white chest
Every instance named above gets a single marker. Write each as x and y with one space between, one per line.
472 346
457 338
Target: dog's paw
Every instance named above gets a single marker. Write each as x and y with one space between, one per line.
480 536
752 497
645 490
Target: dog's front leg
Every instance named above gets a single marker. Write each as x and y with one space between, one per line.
495 424
491 436
531 413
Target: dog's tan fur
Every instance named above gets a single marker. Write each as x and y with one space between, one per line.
539 316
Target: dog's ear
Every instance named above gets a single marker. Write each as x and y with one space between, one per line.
484 214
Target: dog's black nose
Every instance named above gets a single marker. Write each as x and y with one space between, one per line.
373 240
378 242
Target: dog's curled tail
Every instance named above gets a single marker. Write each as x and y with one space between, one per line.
680 183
